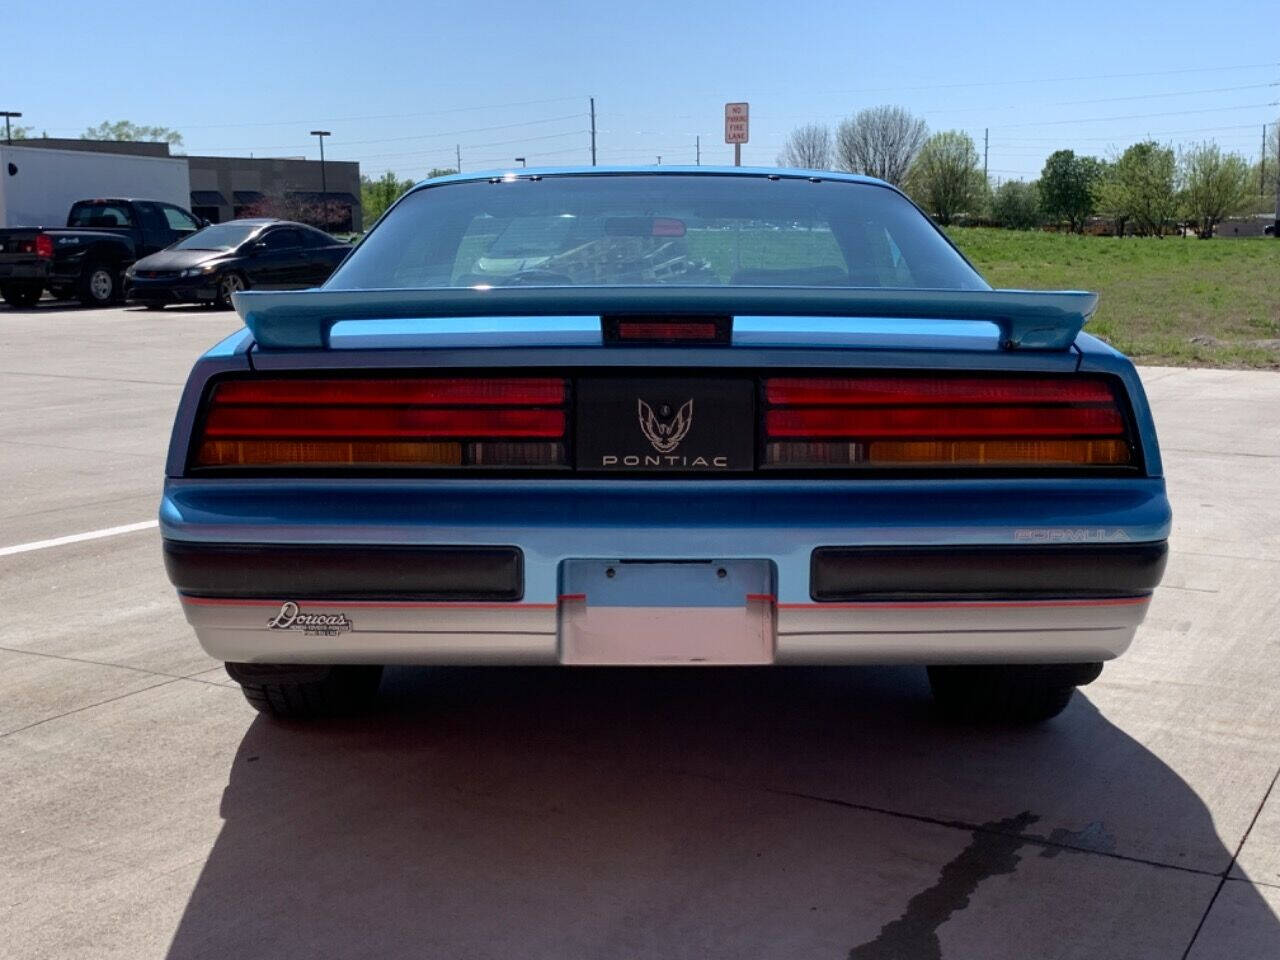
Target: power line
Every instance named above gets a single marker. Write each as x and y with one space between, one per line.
367 116
1094 76
476 146
1160 133
425 136
1137 116
1157 96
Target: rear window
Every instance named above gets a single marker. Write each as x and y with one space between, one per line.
99 215
650 229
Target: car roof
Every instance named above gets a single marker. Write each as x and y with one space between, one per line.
122 200
787 173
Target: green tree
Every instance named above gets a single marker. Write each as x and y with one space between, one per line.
945 178
1015 205
440 172
1139 186
1214 185
20 133
126 130
1066 187
377 195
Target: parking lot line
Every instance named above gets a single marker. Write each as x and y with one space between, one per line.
78 537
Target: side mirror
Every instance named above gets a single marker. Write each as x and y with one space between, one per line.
202 222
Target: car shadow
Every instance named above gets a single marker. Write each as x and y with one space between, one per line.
45 305
802 812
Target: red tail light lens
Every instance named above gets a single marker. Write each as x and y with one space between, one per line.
391 422
41 245
944 421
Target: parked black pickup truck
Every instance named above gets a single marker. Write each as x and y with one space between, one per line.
88 257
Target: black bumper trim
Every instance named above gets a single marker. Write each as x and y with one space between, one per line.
986 572
348 572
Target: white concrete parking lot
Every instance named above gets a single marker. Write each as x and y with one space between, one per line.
147 812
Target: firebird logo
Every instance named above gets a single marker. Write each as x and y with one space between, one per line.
665 437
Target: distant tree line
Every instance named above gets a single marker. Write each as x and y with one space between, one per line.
377 195
1148 190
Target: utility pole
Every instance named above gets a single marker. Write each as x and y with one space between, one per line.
593 131
7 114
697 146
985 143
1262 165
659 159
457 152
1275 231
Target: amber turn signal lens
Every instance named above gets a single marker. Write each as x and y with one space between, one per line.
999 453
285 453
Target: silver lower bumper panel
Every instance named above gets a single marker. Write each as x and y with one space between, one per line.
388 632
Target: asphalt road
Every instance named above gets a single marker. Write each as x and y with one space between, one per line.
147 812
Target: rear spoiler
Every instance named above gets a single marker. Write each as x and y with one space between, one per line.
1027 319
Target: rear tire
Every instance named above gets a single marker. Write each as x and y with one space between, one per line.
303 691
99 285
21 295
1015 694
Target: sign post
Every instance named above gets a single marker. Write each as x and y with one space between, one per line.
736 127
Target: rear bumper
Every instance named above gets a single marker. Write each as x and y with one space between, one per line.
35 270
355 603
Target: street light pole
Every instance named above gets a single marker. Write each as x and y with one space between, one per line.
7 114
324 183
520 160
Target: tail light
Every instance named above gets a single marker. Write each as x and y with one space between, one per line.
384 423
966 421
41 245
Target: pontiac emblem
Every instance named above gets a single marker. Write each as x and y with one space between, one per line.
665 436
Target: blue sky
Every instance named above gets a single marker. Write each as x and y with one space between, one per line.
399 84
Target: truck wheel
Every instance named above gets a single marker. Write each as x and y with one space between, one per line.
98 285
228 284
301 691
21 294
1007 693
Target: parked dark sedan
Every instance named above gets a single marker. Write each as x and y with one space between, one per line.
213 263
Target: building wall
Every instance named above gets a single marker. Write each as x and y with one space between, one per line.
279 187
288 187
136 148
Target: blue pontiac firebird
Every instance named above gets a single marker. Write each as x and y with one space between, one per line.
665 416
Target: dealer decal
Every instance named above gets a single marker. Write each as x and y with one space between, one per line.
312 624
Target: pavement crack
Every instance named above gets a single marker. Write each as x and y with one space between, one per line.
1226 873
89 706
1092 840
194 677
77 376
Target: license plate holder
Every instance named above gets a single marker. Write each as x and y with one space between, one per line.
665 612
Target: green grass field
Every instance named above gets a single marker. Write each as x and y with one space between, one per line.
1173 301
